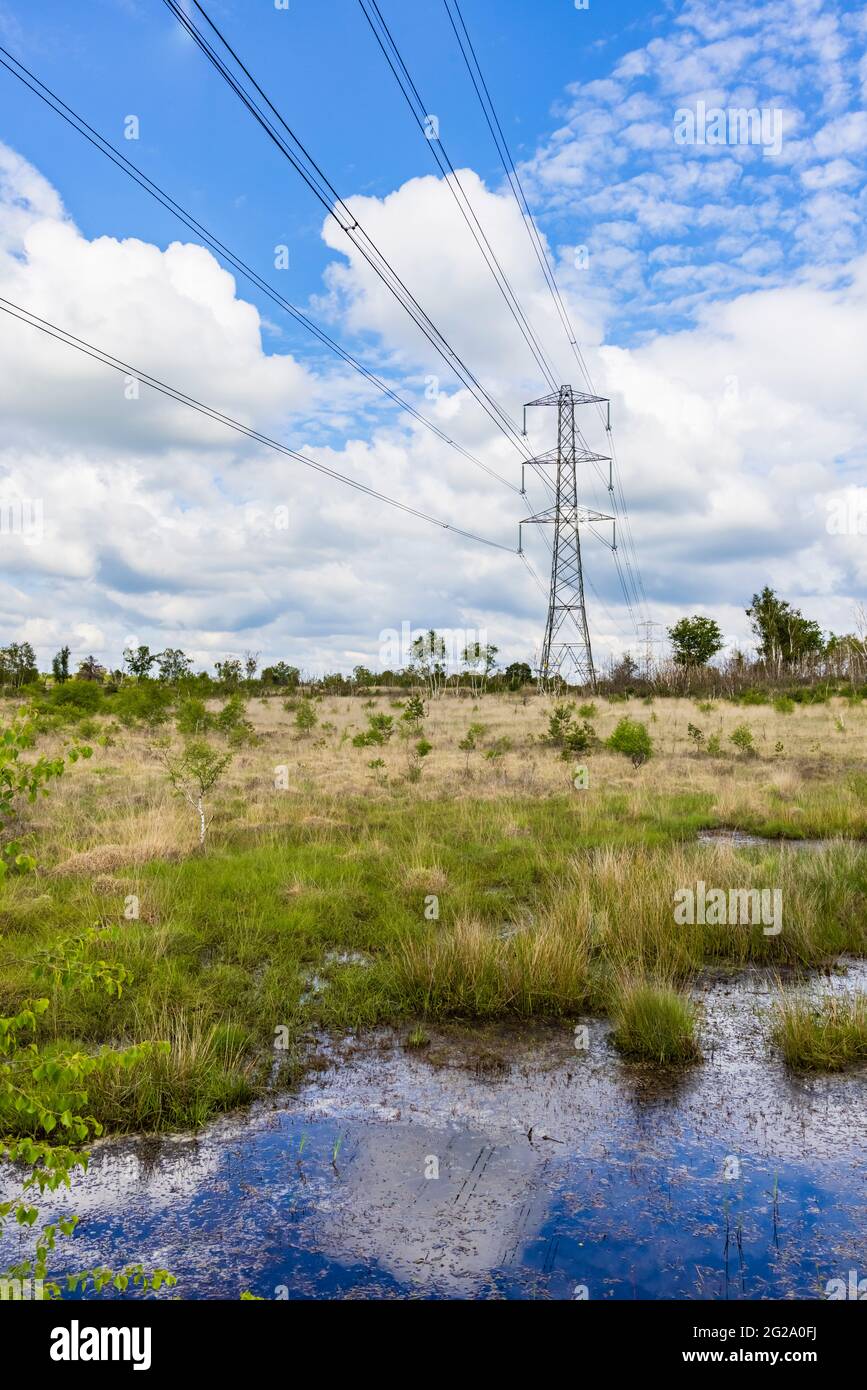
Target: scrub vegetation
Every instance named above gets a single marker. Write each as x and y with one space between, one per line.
477 879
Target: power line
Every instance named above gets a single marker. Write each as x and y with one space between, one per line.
477 77
105 147
494 125
418 109
316 180
451 178
302 161
52 330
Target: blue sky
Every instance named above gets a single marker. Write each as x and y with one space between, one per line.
704 265
321 61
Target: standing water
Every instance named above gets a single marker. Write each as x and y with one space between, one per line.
507 1162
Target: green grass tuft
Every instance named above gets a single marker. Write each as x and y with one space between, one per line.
826 1037
655 1023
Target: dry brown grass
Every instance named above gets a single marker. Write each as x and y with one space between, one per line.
117 809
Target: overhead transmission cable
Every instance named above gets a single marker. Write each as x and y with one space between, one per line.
105 147
480 85
389 47
417 107
302 161
313 176
52 330
452 180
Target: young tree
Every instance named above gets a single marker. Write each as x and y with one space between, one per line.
427 663
193 773
282 675
470 743
414 714
695 640
60 666
229 671
518 675
22 781
90 670
174 666
784 636
251 664
19 664
363 678
479 659
43 1097
306 717
625 672
845 655
139 660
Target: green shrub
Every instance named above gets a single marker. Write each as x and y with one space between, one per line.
414 713
578 739
810 695
415 755
146 702
784 705
754 697
742 738
631 738
565 733
306 717
380 728
193 718
559 722
84 696
231 721
498 749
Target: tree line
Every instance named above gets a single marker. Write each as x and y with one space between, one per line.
788 646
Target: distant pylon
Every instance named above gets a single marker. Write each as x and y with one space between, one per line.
649 640
566 654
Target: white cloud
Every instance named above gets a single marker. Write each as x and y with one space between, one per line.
736 424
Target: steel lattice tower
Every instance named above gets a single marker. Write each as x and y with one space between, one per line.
566 653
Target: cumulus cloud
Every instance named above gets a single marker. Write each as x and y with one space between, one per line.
723 307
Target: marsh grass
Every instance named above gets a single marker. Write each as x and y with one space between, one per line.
473 971
828 1036
208 1068
654 1022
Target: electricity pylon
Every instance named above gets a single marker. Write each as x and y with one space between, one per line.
649 640
566 654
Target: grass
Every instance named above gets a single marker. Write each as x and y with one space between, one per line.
207 1070
829 1036
474 971
505 893
655 1023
